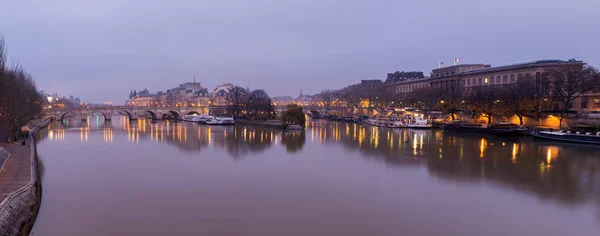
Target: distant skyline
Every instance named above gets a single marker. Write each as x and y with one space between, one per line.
100 50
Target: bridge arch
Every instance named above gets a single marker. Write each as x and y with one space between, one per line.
175 114
316 114
170 114
94 111
152 114
128 114
62 116
193 113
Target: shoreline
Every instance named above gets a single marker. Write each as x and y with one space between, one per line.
19 208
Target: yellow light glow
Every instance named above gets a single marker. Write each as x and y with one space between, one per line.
482 148
514 153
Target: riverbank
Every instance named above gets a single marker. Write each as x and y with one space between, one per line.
20 188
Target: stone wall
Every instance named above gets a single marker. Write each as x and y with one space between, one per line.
17 208
549 121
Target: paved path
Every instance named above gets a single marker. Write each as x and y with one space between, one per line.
17 171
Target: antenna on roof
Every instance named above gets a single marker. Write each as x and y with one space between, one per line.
194 78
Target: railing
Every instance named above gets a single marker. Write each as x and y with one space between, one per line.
4 155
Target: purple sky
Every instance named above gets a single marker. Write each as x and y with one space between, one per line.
99 51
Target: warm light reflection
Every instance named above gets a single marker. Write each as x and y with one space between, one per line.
482 147
551 154
415 142
514 153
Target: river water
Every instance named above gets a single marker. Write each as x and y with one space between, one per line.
174 178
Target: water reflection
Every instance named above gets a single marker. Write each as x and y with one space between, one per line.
567 174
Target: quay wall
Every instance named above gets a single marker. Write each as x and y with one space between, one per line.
20 207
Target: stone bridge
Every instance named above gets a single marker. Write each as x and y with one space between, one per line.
320 111
133 112
177 112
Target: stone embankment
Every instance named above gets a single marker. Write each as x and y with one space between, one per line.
18 207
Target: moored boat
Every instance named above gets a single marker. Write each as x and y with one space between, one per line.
496 129
191 118
220 121
567 136
420 123
203 119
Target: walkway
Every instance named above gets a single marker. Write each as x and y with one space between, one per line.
17 171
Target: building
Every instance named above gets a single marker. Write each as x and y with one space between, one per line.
407 86
282 100
200 98
220 94
401 76
469 76
457 69
186 94
144 98
53 100
371 82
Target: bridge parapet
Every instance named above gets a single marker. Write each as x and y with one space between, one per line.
133 112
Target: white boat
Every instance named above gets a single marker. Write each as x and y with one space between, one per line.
204 118
372 121
420 123
220 121
382 122
191 118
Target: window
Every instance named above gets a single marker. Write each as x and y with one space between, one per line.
584 103
512 78
505 79
469 82
519 77
480 81
464 82
485 80
492 80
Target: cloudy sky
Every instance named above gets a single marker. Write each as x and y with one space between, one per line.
100 50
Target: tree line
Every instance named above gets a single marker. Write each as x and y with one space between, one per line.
243 103
20 101
552 92
256 104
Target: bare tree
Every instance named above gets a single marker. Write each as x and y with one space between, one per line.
424 99
451 100
485 100
519 99
570 83
237 100
259 104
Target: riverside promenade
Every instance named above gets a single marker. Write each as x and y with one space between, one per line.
20 189
17 170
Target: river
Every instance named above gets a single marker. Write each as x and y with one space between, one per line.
174 178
